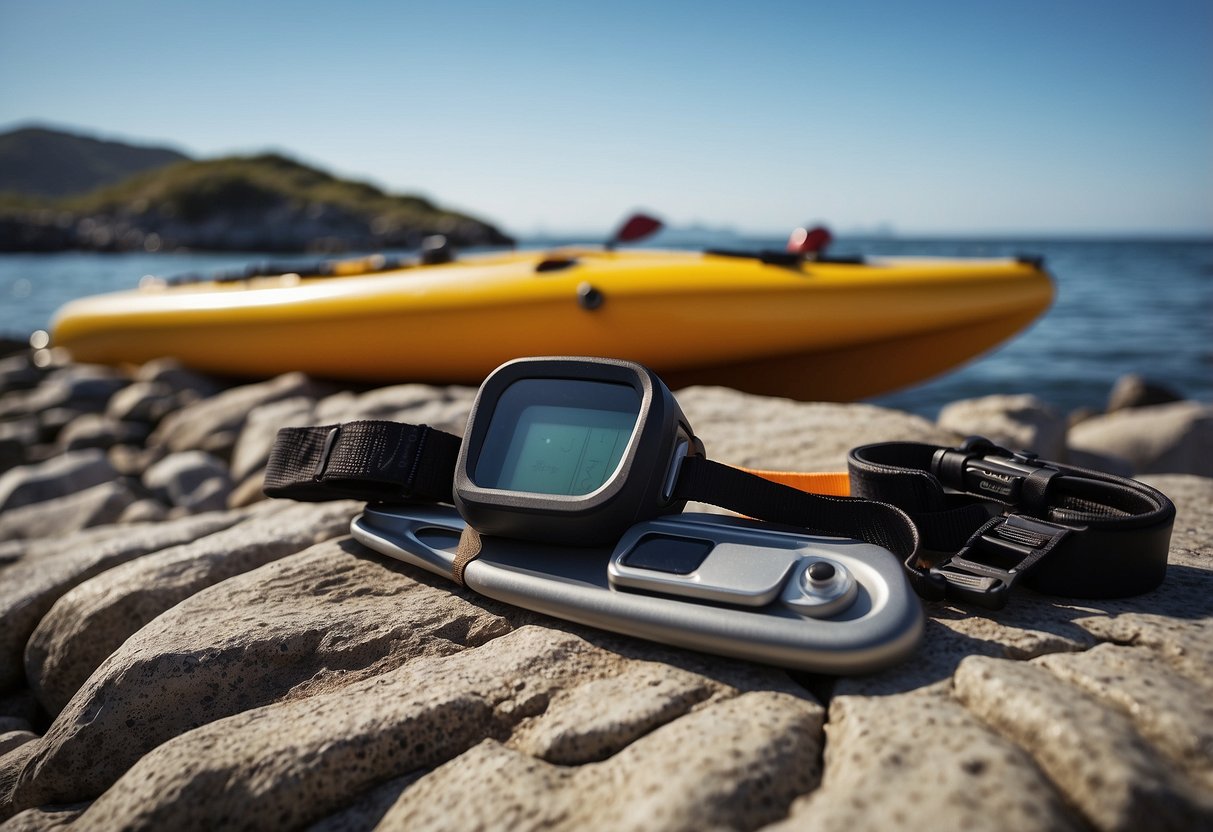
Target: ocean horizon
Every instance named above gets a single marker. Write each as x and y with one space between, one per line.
1125 304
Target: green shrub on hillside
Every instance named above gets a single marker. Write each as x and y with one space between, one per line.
266 202
194 191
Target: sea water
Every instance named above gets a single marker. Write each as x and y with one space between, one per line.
1122 306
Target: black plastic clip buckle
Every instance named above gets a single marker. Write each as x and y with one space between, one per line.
984 470
986 568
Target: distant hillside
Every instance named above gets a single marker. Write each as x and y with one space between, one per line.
258 203
45 162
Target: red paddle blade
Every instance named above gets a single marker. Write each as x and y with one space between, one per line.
806 241
637 227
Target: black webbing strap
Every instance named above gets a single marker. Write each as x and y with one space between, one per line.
705 481
989 517
374 460
393 462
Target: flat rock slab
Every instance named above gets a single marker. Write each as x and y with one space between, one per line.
93 620
311 754
1091 752
33 584
892 762
786 435
673 777
302 624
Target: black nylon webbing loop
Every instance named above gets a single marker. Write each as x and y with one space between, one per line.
705 481
372 460
1065 530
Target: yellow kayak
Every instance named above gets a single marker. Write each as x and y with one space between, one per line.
808 329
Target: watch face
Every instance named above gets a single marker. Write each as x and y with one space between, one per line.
557 436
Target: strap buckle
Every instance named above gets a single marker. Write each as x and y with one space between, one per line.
985 470
1002 550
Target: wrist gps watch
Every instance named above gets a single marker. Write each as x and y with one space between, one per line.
571 451
562 450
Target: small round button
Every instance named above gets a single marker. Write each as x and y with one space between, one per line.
820 572
824 588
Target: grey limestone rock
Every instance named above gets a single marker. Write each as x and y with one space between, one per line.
101 504
214 424
16 437
1173 712
41 576
368 808
17 372
313 754
1175 438
132 461
1133 390
91 621
594 721
202 686
1091 752
782 434
1099 462
12 551
194 480
19 710
41 820
83 388
1019 423
145 401
88 384
56 477
303 625
50 422
11 739
248 492
735 764
178 378
252 449
145 510
920 760
11 765
1184 645
445 408
96 430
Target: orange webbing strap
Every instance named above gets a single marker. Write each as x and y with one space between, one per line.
834 483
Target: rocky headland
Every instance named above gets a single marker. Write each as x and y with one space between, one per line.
265 203
177 651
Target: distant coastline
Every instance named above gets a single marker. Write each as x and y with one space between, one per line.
61 192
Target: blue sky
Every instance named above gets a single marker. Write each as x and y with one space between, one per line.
932 117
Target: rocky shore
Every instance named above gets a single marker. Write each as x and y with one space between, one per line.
176 651
282 227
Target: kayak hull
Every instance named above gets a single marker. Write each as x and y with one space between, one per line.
825 331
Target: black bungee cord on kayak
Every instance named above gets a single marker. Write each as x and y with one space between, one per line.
990 517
